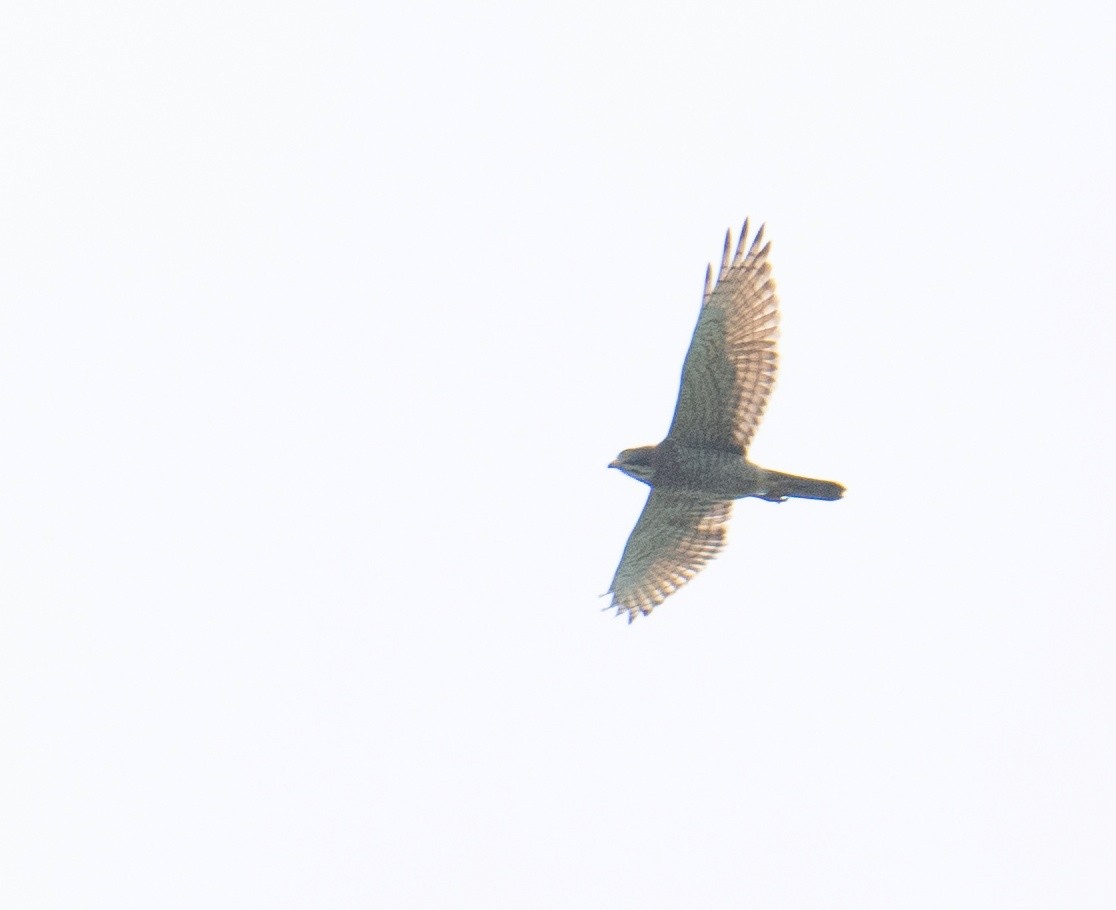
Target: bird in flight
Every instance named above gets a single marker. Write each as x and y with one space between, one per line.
701 466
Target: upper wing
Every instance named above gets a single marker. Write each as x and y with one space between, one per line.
730 367
676 535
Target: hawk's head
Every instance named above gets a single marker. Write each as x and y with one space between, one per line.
638 463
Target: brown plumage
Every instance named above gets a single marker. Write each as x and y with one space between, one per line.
700 467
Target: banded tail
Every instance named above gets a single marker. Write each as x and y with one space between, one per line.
779 486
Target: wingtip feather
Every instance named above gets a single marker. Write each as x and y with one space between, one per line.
740 248
758 243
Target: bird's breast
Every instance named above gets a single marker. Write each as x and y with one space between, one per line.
711 472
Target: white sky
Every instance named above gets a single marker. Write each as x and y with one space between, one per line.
319 326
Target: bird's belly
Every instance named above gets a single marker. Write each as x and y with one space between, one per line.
719 475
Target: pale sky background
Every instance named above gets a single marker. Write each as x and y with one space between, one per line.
320 324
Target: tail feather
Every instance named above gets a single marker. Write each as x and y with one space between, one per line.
780 486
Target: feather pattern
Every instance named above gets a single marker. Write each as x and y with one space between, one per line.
675 536
730 367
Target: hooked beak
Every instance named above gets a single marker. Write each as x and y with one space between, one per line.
615 463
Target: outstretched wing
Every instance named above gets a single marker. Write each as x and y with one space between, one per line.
730 367
676 535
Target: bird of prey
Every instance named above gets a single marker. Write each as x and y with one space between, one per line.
701 466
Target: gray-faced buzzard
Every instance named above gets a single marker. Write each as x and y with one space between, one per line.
701 466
